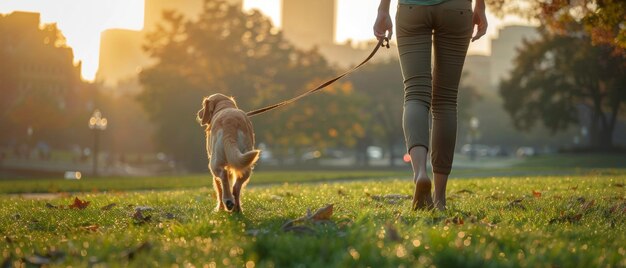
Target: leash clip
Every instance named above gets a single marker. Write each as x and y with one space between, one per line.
385 42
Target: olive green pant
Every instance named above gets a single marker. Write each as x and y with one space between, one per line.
446 27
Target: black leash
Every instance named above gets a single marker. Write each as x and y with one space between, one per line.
383 42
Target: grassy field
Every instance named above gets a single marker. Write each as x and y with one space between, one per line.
59 185
560 221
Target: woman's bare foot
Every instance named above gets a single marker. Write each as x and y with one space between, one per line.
439 195
422 198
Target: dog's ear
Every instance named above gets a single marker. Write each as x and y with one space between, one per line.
206 113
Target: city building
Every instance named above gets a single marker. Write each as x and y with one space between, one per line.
312 24
121 54
504 50
40 62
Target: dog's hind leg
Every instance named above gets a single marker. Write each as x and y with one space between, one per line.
217 185
227 196
240 182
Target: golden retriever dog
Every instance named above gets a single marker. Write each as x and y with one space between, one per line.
230 147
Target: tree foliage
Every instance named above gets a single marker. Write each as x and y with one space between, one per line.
556 78
603 21
240 54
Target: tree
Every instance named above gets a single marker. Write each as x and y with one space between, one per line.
601 20
381 85
555 76
241 54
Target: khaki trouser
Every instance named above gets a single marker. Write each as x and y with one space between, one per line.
449 27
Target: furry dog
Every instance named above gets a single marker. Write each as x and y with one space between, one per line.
230 147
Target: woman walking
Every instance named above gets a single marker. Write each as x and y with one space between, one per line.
423 25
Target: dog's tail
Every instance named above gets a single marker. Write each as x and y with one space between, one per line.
239 160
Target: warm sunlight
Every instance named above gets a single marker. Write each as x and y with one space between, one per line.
82 22
82 29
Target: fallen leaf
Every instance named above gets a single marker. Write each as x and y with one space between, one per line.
391 233
322 213
143 208
517 203
139 218
48 205
38 260
464 191
567 218
91 228
48 258
389 198
109 206
617 207
536 194
132 253
456 220
586 206
79 204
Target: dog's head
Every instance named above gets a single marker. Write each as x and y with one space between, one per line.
211 105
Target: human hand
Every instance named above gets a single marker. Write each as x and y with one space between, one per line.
383 27
480 20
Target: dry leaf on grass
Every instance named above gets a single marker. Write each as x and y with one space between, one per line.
567 218
320 216
79 204
389 198
586 206
92 228
391 233
109 206
139 217
456 220
132 253
536 194
464 191
517 203
48 258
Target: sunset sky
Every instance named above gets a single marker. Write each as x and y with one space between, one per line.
83 21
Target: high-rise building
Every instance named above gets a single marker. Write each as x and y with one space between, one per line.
121 54
504 50
309 23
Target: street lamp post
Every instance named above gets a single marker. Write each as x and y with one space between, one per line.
473 137
97 123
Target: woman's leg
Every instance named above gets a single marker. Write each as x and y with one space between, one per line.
414 48
453 31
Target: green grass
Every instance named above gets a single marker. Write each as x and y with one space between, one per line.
576 221
180 182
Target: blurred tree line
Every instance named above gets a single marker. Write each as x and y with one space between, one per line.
575 73
241 54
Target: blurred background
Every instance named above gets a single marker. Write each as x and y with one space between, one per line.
111 88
